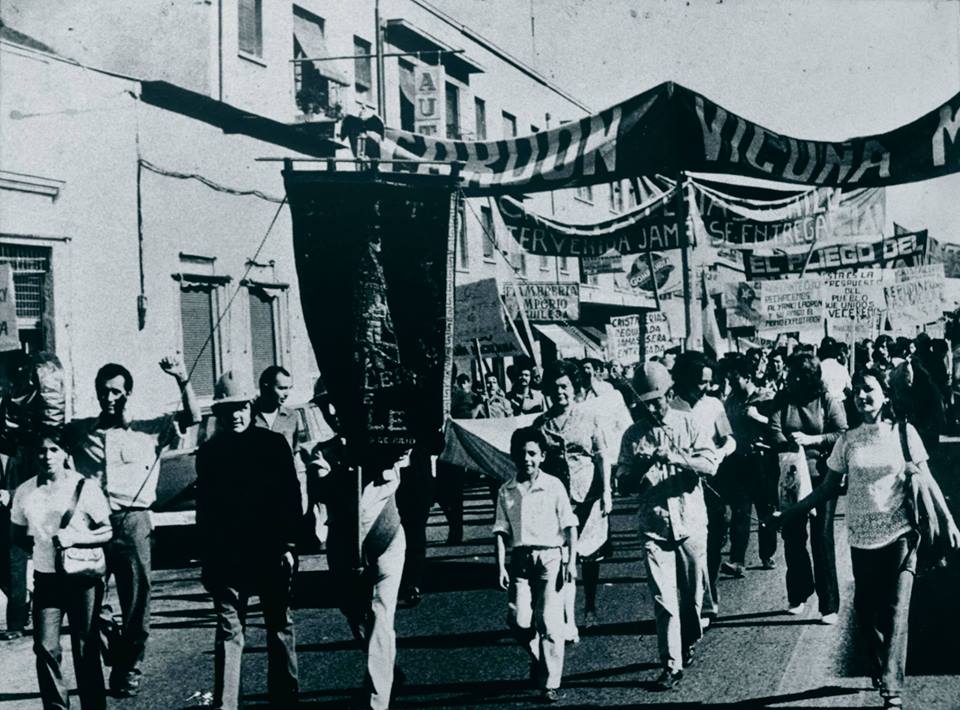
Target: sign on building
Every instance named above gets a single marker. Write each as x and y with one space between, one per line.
479 317
610 262
9 336
543 302
427 108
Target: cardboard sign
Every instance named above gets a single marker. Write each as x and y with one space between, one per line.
426 110
544 302
479 317
854 304
916 296
656 337
9 336
623 339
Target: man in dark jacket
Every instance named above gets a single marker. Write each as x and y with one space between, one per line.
248 510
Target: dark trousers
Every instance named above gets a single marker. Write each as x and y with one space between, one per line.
883 581
449 487
802 579
230 598
749 484
13 578
128 562
79 598
414 500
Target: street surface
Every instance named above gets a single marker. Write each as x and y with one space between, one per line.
456 652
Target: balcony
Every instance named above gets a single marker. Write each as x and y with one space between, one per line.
320 92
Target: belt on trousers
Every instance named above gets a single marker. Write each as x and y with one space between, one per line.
532 548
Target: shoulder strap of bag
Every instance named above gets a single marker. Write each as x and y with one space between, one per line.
68 513
904 444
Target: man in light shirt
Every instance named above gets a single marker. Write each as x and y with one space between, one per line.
836 379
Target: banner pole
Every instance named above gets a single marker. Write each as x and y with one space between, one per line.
656 289
685 260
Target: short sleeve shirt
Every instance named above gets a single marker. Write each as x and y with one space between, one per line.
709 417
872 457
40 509
534 513
124 459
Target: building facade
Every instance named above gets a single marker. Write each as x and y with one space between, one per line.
134 196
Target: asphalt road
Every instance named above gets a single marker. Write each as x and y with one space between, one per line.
456 652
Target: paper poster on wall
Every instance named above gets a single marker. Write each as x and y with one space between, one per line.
9 336
916 296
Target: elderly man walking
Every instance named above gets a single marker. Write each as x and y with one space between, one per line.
248 511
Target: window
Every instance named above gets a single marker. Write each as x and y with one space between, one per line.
453 111
263 330
585 193
544 263
489 235
31 288
463 247
362 68
480 117
197 316
250 27
564 264
317 84
408 96
616 197
509 125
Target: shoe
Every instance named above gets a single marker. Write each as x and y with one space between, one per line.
410 598
551 695
798 609
668 680
892 702
733 569
126 687
704 623
688 657
11 635
571 634
768 563
829 619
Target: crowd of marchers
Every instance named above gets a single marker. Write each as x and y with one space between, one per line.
698 443
782 430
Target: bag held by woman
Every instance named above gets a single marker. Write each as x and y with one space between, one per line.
79 561
928 516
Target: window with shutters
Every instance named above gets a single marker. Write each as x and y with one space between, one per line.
250 27
453 111
480 118
408 96
509 125
32 289
263 330
362 68
198 308
489 236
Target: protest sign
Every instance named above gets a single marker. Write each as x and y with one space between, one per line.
854 304
479 317
892 252
656 335
543 302
916 296
9 335
775 305
623 339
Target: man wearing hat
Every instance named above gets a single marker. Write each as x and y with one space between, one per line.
248 512
664 456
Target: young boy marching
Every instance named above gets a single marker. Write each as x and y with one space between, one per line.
535 519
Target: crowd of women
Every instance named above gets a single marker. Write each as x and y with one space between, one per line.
701 443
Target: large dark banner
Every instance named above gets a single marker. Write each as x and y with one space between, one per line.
669 129
891 252
373 266
651 227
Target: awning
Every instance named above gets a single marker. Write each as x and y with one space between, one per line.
591 347
309 35
566 344
410 38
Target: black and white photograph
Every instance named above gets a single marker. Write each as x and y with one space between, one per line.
479 354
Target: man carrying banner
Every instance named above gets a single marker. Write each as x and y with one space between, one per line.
123 453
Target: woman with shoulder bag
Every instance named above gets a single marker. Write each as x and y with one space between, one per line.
65 518
809 419
878 459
